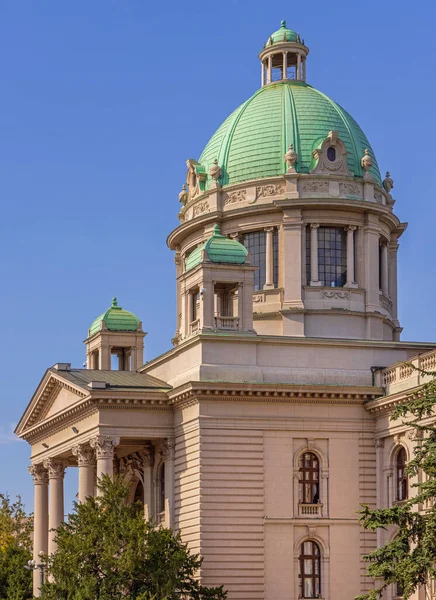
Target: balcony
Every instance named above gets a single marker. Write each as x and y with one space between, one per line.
404 376
310 510
228 323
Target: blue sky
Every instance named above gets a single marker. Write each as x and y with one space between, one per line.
101 104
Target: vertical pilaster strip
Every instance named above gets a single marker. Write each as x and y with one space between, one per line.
314 267
167 452
269 262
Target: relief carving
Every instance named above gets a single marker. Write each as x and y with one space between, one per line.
350 189
378 197
316 187
263 191
335 294
259 298
236 196
200 208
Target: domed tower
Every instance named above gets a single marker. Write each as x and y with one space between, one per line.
292 177
116 332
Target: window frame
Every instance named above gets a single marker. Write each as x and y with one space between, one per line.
314 557
401 481
309 479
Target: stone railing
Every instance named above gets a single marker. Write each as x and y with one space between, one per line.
231 323
194 326
310 510
408 375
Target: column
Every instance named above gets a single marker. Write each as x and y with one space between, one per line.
208 305
104 447
167 452
269 274
298 77
379 445
392 272
148 462
314 275
56 472
384 268
190 310
304 70
291 260
179 270
285 65
40 519
350 256
371 258
269 68
86 463
240 306
262 74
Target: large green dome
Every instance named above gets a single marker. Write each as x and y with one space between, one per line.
115 318
252 141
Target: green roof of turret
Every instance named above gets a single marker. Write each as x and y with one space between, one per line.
283 35
219 249
115 319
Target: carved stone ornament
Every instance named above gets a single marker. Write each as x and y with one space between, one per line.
39 474
167 449
263 191
55 467
183 196
316 187
291 157
379 443
215 171
378 197
133 465
200 208
349 189
415 434
259 298
104 445
331 156
337 295
366 163
236 196
388 183
85 455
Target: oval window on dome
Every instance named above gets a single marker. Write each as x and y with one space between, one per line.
331 153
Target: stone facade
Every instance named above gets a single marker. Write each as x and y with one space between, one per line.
260 433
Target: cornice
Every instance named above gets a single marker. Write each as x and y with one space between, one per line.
386 404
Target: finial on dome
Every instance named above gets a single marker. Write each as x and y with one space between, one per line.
114 302
283 24
388 182
183 196
216 230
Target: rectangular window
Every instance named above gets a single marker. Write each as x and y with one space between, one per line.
332 256
255 242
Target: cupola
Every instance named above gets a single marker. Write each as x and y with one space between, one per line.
283 57
116 332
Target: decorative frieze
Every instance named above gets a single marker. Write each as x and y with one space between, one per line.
85 455
346 188
104 445
335 294
264 191
39 474
236 196
315 187
200 208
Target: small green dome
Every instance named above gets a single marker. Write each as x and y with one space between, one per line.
115 319
283 35
219 249
252 141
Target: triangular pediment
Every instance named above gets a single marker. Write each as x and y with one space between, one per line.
52 397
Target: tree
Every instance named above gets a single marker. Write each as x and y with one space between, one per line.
409 559
107 551
16 529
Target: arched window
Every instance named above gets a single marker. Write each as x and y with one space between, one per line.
401 479
139 493
310 570
308 478
161 489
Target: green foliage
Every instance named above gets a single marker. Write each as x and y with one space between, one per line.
15 550
107 551
409 559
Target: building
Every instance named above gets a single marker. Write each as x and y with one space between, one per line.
266 425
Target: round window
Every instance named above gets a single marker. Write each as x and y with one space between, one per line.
331 153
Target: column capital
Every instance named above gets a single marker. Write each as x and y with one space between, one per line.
269 229
56 467
314 225
104 445
39 474
85 455
148 455
235 235
168 448
351 228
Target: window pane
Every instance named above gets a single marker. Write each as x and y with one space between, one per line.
308 566
332 256
308 588
307 548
